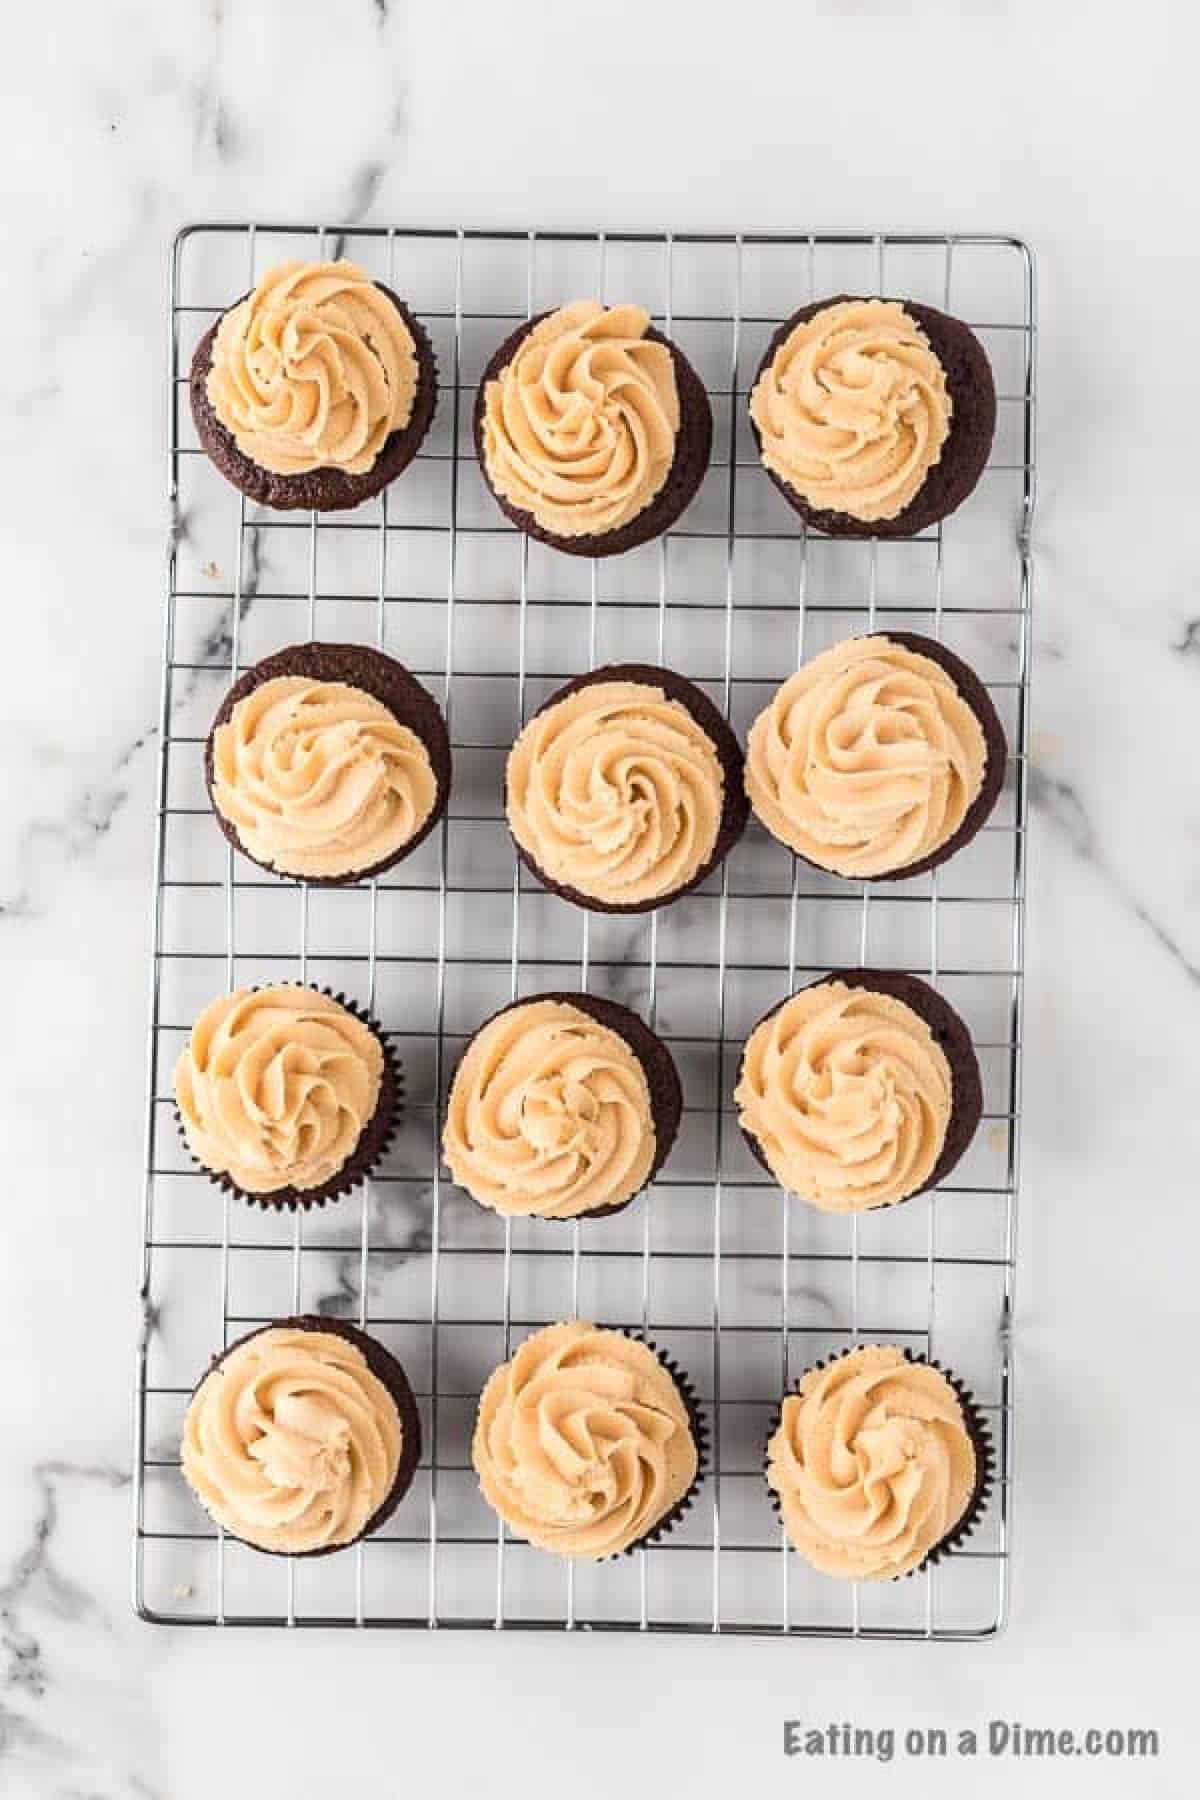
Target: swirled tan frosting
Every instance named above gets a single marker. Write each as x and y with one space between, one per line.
319 778
867 760
275 1086
616 792
583 1441
291 1442
549 1114
873 1464
579 429
853 410
314 370
847 1095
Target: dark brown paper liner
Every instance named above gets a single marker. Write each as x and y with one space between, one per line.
978 1430
325 489
391 1373
700 1438
735 806
374 1140
386 680
658 1066
693 447
950 1033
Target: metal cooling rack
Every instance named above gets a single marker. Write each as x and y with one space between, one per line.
742 1286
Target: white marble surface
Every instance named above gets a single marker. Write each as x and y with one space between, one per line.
1071 126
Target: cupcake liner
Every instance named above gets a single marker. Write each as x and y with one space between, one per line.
978 1429
952 1035
658 1066
390 1371
386 680
693 448
700 1437
374 1141
735 806
325 489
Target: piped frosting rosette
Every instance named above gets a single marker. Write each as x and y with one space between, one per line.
625 790
579 429
879 1463
847 1097
853 410
587 1442
315 369
286 1095
562 1106
302 1437
867 760
319 779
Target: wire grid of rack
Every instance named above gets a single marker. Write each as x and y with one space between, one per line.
741 1284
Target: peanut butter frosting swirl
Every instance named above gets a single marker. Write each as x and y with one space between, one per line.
853 410
848 1096
291 1442
579 429
314 370
319 778
867 760
873 1464
616 792
275 1086
549 1114
583 1441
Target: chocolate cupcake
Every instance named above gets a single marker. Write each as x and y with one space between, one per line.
302 1437
588 1443
879 759
879 1464
564 1106
860 1090
286 1095
315 390
874 418
626 789
328 763
592 429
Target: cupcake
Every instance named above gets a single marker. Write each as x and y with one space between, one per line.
315 390
328 762
860 1090
563 1106
874 418
587 1443
302 1437
286 1095
878 1465
879 759
592 429
626 789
